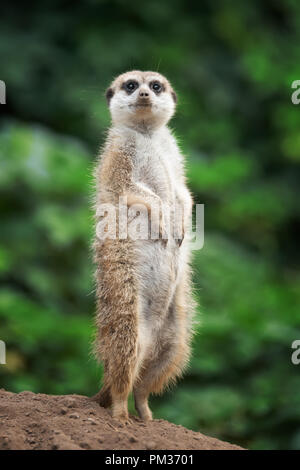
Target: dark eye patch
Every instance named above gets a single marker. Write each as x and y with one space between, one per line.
157 87
130 86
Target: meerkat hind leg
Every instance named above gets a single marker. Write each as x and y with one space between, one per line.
156 374
168 364
141 404
120 409
119 403
119 397
162 371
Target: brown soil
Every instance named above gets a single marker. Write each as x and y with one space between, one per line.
30 421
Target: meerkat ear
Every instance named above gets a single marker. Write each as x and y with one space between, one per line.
109 94
174 96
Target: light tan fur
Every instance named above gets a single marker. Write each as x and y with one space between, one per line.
144 301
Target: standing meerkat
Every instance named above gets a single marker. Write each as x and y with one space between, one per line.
144 300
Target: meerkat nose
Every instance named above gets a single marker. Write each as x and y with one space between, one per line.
144 94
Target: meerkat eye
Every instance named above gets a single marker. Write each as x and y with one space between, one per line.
130 86
156 87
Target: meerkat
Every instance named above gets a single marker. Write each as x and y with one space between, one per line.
143 287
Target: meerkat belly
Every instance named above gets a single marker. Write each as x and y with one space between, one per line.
157 272
157 263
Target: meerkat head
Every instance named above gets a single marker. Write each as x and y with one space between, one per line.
142 100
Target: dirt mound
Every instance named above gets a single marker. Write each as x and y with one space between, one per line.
37 421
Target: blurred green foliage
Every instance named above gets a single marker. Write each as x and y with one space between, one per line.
232 65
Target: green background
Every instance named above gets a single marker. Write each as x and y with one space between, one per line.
232 64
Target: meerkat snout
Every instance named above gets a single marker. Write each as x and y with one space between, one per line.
141 100
143 93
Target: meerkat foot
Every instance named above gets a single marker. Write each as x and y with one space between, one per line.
143 409
145 413
123 419
120 411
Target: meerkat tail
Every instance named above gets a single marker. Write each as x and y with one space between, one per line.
103 397
117 318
